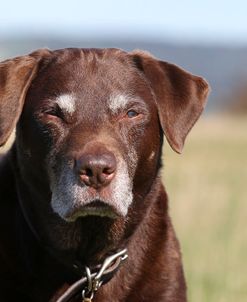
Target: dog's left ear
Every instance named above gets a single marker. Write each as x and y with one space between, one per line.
15 77
180 96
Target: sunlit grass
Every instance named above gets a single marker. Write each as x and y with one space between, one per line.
207 186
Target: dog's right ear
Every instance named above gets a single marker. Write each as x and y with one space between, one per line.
15 78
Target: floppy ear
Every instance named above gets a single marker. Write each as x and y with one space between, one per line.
15 77
180 96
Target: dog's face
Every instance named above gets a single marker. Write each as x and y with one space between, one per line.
87 122
89 135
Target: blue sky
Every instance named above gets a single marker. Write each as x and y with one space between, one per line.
206 21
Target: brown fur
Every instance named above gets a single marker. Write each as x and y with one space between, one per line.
171 102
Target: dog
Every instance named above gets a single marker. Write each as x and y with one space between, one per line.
82 179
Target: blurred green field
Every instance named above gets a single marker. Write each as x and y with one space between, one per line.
207 187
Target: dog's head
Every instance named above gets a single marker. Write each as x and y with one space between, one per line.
90 125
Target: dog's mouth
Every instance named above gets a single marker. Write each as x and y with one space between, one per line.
71 200
94 208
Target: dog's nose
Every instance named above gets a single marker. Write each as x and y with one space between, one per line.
96 170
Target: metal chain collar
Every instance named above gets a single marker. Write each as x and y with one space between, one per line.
89 284
94 282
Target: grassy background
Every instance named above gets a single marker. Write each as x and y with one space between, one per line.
207 187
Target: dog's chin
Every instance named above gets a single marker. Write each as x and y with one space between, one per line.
95 208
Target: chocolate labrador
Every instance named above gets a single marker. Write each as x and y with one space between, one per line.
80 189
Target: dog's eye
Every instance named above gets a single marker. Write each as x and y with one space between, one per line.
55 111
132 113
